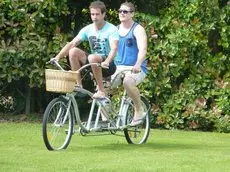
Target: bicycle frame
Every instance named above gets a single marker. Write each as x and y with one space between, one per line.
120 118
119 124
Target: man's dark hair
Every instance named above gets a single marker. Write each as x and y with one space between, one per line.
130 5
98 4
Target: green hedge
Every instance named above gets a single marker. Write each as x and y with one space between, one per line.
189 78
189 72
29 36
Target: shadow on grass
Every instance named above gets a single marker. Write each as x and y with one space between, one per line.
158 146
169 144
151 146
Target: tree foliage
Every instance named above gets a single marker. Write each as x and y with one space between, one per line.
188 81
29 36
190 73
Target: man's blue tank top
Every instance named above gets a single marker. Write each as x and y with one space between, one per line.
128 50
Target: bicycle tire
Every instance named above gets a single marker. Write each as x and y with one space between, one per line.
138 134
57 136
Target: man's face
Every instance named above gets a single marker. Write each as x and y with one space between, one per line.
125 13
96 15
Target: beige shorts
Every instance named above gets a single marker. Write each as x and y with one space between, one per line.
116 77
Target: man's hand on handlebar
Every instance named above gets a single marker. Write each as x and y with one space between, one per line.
136 69
53 60
105 65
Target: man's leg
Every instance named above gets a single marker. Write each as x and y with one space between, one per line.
77 58
133 92
97 72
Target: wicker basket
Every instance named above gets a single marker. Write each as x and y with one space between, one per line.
60 81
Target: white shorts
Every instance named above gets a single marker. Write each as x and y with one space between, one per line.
116 77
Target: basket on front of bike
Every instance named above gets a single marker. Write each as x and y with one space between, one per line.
60 81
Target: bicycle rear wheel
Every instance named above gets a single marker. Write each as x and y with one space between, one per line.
138 134
57 126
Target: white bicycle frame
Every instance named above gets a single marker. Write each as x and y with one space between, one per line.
119 124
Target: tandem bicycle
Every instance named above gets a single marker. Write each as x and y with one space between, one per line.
62 118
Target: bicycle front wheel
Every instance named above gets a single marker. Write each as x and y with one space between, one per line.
138 134
57 126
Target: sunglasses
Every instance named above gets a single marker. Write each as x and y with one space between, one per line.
124 11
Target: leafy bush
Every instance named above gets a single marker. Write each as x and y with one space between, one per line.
189 78
189 74
6 104
29 36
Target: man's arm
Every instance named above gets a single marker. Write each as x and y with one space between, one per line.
65 50
112 53
141 38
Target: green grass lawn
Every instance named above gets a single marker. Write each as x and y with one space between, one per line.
22 150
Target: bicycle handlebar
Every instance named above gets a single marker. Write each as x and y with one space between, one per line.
55 62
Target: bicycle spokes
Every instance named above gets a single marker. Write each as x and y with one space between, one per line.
57 124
